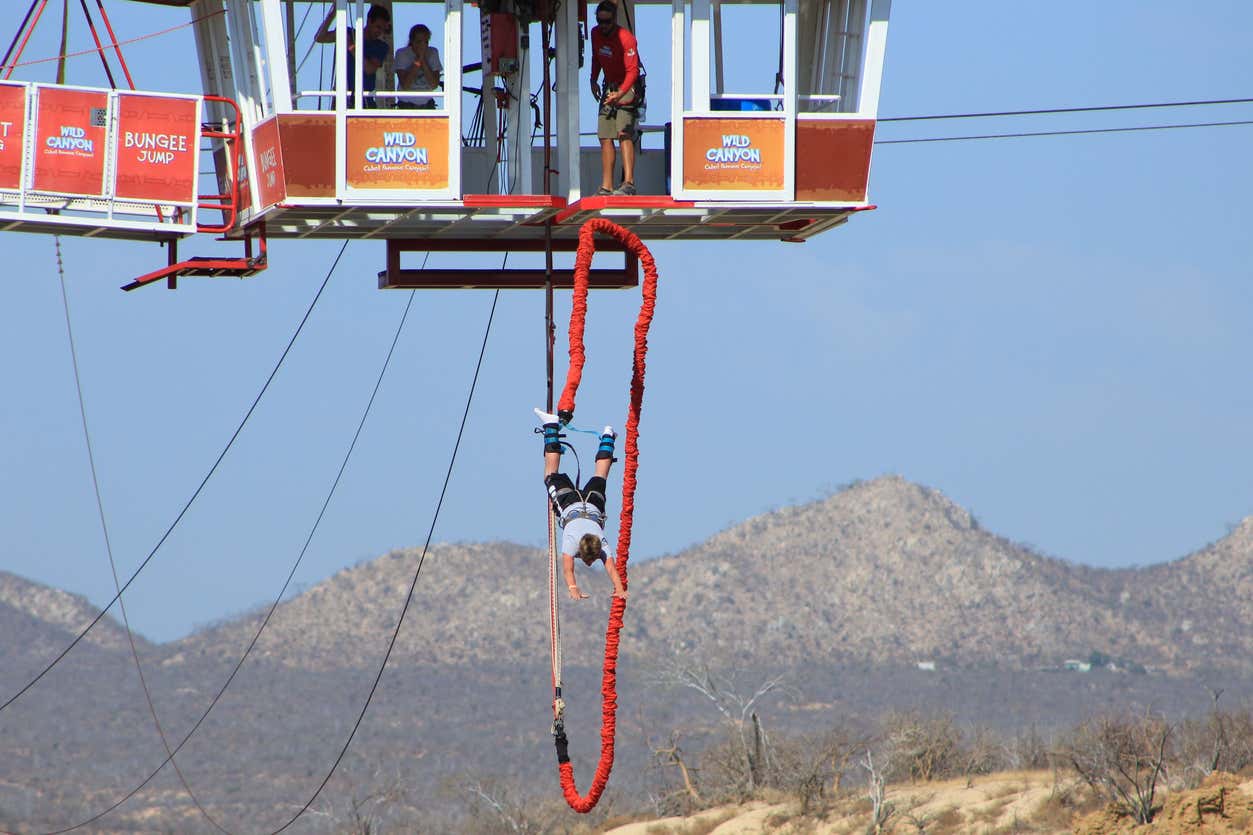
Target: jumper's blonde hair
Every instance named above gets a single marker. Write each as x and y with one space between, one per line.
589 547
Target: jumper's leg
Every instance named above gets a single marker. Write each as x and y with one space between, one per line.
552 442
604 454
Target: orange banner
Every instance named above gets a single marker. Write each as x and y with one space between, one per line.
271 181
833 159
12 132
398 153
157 140
307 149
69 141
733 154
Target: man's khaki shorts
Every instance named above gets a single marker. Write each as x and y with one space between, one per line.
615 122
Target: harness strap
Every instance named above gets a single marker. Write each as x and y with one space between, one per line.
587 511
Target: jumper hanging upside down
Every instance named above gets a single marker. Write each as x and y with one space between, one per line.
581 513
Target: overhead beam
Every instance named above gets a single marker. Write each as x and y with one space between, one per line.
396 278
502 279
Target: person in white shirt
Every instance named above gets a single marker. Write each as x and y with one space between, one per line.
418 68
581 513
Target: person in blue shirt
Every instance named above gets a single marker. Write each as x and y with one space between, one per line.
378 22
581 512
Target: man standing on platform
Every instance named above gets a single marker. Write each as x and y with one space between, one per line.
614 52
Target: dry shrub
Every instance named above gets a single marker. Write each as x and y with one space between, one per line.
982 753
810 768
923 748
1221 741
1026 751
724 776
675 778
1124 758
500 806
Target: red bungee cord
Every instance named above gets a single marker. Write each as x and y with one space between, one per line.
578 316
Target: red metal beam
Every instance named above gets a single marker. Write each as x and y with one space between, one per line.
615 201
514 201
208 267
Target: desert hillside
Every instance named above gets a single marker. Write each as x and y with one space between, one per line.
1029 801
38 620
883 572
841 597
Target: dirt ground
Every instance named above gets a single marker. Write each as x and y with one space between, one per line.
997 804
1223 803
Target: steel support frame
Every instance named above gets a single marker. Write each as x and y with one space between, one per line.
568 86
279 72
875 50
517 166
394 277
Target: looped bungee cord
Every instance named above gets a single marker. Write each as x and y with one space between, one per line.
609 680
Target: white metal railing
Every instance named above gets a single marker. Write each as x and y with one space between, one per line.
399 95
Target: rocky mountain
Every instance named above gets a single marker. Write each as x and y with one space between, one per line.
481 603
889 570
38 621
884 572
843 596
1202 605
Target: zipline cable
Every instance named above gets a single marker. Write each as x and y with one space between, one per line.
1060 132
28 29
117 47
300 66
1057 110
200 488
301 28
391 645
278 598
114 44
91 458
108 542
17 36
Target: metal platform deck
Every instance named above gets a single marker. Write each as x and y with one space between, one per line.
489 217
90 227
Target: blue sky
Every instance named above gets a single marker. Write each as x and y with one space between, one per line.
1054 332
